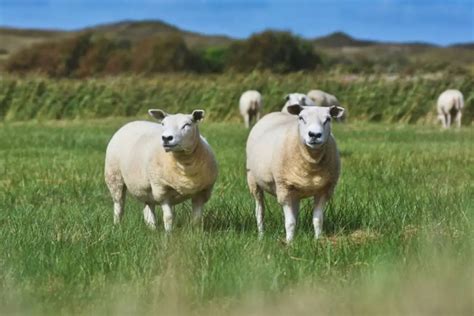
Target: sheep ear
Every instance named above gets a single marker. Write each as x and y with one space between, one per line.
157 114
336 111
287 97
294 109
197 115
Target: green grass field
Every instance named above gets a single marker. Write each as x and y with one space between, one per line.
398 232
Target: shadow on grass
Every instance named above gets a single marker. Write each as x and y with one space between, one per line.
242 220
345 153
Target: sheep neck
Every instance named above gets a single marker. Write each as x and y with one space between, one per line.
301 170
187 158
313 157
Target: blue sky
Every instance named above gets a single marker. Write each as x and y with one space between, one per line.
441 22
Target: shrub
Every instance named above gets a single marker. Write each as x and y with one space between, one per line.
55 59
214 58
271 50
167 53
96 60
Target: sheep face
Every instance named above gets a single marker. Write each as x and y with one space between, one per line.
180 131
314 123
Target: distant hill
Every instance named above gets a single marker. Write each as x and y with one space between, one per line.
463 45
336 44
342 46
340 39
137 30
7 31
134 29
12 39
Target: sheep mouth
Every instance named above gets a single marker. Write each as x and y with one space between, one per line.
169 147
314 143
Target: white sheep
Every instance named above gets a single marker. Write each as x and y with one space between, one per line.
322 98
294 156
296 98
450 102
161 164
250 105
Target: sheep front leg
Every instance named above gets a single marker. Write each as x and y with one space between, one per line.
197 204
167 216
149 215
318 215
290 210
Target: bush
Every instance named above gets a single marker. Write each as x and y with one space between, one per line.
55 59
104 56
214 58
276 51
163 54
119 61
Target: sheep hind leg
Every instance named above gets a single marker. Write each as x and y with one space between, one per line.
257 193
118 192
118 208
259 211
251 119
257 117
247 120
458 118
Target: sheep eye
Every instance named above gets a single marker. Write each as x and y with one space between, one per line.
187 124
301 119
327 120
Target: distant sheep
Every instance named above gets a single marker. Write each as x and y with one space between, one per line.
250 105
321 98
450 102
296 98
162 164
294 156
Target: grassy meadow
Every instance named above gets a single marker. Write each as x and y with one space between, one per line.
398 235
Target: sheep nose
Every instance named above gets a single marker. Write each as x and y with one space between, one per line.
314 135
167 139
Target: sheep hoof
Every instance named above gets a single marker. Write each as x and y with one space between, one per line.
151 226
